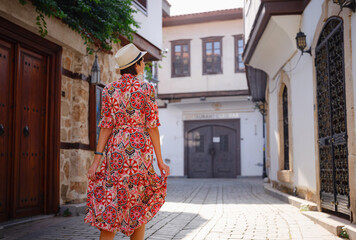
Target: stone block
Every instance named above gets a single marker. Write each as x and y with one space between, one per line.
65 109
67 123
64 135
66 169
74 209
67 61
64 189
79 187
351 231
331 223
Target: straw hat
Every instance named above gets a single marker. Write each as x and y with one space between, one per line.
127 56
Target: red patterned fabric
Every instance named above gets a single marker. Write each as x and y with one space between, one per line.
127 191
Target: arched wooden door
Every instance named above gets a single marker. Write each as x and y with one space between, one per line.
212 148
332 125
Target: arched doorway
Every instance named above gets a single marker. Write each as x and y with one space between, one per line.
212 148
332 126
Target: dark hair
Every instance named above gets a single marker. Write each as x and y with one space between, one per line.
131 69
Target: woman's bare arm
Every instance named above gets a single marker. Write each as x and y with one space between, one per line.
154 135
103 139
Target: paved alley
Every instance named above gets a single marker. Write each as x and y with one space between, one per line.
199 209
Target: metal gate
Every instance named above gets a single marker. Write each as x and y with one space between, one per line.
332 127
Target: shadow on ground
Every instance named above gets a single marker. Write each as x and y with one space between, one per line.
75 228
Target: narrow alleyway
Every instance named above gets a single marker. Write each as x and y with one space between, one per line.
199 209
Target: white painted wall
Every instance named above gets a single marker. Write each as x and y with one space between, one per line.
150 22
250 11
196 82
172 141
302 98
172 120
302 107
273 128
303 103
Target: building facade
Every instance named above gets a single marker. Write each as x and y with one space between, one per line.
49 109
308 97
209 126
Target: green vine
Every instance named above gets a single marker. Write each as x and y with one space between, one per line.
148 70
99 22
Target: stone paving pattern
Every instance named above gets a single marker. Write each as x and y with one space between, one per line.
197 209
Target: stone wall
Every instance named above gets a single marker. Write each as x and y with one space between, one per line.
75 120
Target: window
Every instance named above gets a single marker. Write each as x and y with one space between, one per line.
285 128
180 58
141 4
94 114
212 55
239 48
285 153
199 140
224 143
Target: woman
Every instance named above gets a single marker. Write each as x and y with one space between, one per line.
126 193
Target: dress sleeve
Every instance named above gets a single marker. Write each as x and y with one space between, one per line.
107 120
151 117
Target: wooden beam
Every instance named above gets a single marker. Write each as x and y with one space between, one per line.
168 96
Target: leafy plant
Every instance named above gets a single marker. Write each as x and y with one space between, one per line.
343 233
148 70
99 22
67 213
304 207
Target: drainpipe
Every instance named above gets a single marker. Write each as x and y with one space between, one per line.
264 172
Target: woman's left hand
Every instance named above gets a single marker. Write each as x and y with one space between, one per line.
92 170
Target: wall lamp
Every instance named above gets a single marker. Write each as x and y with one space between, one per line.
302 43
346 4
95 72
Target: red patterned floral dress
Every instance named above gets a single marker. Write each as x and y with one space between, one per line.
127 191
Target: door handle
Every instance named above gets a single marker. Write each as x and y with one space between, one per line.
212 151
2 130
26 131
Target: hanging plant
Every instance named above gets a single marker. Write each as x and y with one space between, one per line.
99 22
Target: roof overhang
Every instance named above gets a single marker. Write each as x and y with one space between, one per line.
153 52
204 17
166 8
277 39
256 84
276 24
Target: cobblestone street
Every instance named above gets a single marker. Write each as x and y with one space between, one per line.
199 209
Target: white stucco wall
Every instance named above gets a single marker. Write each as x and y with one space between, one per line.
150 22
302 108
273 128
197 82
250 10
172 141
303 103
302 118
172 120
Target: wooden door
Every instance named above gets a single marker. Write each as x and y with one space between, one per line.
6 113
224 158
199 145
212 148
30 84
30 115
